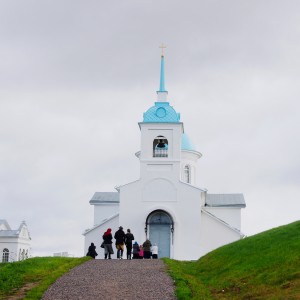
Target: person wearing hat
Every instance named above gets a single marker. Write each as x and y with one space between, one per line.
120 239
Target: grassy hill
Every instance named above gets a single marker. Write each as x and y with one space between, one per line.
263 266
30 278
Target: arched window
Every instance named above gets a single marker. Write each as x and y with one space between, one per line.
187 174
5 255
160 147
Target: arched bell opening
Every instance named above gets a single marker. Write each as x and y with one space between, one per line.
160 146
159 228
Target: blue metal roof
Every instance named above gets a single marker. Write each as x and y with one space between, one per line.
225 200
186 143
161 112
105 197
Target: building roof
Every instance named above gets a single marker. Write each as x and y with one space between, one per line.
161 112
9 233
105 197
225 200
13 233
186 143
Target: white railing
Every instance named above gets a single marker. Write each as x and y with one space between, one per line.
160 152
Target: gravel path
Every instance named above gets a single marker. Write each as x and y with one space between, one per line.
114 279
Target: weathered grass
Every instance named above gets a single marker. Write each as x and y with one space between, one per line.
264 266
42 271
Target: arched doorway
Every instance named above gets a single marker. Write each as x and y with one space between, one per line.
161 226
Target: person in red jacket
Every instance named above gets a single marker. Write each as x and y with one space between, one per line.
107 239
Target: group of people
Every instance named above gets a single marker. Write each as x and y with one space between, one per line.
146 250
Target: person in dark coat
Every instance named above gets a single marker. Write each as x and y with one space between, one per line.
120 239
107 239
135 250
92 251
128 242
147 249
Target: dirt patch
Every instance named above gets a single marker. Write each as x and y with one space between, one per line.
21 293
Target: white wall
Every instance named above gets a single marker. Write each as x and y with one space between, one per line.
185 209
189 158
103 211
95 236
20 243
14 245
214 235
230 215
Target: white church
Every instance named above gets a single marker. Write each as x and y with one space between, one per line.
184 220
14 244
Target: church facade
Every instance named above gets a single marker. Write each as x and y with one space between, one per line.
165 204
14 244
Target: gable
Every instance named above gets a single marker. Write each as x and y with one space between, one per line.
4 225
159 190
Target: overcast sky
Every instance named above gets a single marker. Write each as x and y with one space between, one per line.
77 76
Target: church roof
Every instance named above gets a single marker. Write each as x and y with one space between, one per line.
105 197
225 200
186 143
9 233
161 112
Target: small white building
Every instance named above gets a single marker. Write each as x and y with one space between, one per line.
165 204
14 244
62 254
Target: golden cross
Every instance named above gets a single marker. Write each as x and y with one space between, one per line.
162 46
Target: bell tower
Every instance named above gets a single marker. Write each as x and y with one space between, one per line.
161 132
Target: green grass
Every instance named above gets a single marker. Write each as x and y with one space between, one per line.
263 266
33 276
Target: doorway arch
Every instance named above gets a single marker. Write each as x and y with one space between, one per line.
159 228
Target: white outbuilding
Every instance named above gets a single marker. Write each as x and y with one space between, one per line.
14 244
165 204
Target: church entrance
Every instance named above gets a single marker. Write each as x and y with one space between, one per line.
160 225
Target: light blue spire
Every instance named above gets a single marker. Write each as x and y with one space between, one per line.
162 75
161 112
162 93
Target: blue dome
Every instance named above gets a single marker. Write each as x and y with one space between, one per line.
161 112
186 143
